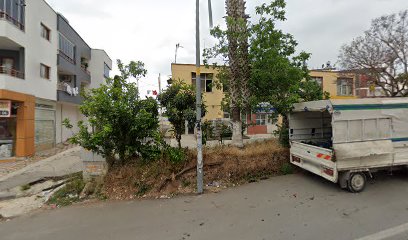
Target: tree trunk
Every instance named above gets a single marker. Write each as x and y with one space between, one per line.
239 67
237 139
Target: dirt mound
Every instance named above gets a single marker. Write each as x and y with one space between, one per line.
223 166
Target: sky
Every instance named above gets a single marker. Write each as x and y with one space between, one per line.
148 30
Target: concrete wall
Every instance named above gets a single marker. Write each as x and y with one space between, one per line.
66 111
96 67
212 100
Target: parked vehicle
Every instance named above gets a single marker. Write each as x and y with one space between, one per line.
344 141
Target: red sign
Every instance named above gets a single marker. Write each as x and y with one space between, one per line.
5 108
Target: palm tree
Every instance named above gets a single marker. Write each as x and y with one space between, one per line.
238 34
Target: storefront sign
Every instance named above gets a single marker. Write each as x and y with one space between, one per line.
265 108
5 108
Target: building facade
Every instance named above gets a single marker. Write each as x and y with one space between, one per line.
258 123
345 84
44 64
339 84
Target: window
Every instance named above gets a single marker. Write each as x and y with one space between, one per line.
318 80
106 71
261 119
45 32
206 81
13 11
344 87
67 48
45 71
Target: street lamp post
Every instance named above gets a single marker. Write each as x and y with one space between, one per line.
200 164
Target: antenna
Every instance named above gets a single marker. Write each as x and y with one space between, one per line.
177 47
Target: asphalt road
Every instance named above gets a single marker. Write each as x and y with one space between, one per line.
301 206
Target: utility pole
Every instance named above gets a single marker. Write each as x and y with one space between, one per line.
200 164
160 109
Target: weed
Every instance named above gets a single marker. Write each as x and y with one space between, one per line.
25 187
142 188
176 155
69 193
185 183
286 169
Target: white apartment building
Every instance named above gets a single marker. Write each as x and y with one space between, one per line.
44 64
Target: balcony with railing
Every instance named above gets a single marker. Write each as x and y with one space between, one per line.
66 57
11 59
11 72
7 17
67 89
13 11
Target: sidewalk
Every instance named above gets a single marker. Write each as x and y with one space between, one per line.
64 163
12 165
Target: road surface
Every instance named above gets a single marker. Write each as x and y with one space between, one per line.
300 206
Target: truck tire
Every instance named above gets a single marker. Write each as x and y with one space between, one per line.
357 182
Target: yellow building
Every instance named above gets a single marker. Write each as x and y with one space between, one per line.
212 96
340 84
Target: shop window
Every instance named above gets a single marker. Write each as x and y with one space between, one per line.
7 136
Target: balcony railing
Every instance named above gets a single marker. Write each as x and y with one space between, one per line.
85 70
6 16
11 72
66 57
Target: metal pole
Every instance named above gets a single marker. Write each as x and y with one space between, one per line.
198 102
175 55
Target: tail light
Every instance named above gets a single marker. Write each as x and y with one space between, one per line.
328 171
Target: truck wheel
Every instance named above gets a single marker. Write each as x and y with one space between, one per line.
357 182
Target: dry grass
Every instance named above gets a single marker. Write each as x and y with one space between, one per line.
224 165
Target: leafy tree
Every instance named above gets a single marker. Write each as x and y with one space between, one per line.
382 54
119 125
279 76
179 100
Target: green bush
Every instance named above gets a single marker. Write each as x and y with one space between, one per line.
286 169
176 155
120 125
226 131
